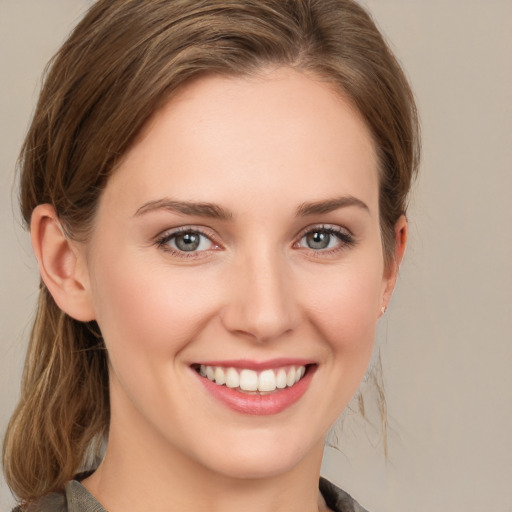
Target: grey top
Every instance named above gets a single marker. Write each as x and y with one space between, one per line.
76 498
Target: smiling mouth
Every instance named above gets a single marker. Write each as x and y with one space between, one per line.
250 381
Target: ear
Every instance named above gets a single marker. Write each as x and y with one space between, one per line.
391 271
61 263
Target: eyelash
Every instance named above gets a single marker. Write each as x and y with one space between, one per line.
346 240
163 241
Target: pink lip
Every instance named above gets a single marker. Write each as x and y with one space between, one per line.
258 365
256 404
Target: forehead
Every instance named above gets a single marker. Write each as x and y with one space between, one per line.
276 134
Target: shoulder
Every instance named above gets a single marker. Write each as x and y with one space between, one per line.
53 502
337 499
74 498
79 499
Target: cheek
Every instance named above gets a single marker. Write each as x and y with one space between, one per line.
147 313
344 308
348 303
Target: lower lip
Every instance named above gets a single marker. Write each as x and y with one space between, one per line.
271 403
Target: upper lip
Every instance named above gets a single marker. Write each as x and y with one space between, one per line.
258 365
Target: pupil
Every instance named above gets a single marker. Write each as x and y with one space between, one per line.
187 242
318 240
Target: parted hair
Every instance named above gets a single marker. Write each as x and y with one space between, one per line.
121 63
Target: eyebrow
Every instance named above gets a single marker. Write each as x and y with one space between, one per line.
214 211
330 205
208 210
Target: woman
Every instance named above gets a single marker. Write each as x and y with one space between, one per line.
216 194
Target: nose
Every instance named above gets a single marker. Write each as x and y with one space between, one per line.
262 304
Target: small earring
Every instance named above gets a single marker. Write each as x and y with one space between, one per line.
383 309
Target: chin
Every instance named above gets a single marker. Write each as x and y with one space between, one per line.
266 457
249 468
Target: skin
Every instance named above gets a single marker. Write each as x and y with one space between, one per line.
259 148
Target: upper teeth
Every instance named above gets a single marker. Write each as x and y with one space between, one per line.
250 380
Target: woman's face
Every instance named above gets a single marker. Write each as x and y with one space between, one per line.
239 238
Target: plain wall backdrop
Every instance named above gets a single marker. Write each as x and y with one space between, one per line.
446 340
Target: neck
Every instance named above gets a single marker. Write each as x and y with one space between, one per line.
145 478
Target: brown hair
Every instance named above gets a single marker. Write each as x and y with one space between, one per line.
121 64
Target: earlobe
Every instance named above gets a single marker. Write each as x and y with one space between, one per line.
61 265
391 272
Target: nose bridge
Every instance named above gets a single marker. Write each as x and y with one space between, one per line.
263 305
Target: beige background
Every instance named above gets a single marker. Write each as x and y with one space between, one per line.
447 339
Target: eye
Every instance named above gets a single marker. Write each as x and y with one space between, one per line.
325 238
185 241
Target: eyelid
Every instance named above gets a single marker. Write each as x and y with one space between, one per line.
345 236
165 236
322 226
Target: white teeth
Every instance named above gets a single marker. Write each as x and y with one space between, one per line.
290 378
232 378
220 377
281 378
267 381
250 380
